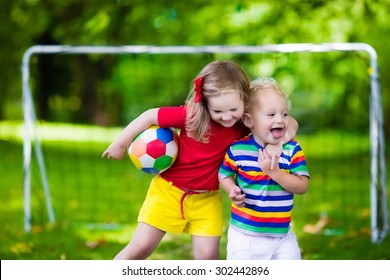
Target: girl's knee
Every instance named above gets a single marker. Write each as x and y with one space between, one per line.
141 249
206 252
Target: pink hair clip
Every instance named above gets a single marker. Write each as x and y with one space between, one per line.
198 89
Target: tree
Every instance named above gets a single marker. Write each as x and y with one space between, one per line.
125 22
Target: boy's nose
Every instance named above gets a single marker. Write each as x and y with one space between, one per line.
279 118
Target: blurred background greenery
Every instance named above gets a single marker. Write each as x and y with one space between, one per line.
90 97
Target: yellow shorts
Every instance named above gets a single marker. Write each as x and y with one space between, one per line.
172 210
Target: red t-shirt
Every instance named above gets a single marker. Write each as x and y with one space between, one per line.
197 164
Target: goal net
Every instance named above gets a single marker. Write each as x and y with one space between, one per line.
77 99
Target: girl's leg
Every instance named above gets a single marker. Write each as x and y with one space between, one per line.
204 214
205 247
145 240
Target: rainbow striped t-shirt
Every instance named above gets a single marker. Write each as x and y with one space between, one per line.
268 206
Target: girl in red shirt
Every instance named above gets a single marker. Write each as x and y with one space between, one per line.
185 198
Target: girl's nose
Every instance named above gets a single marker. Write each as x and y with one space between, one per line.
227 117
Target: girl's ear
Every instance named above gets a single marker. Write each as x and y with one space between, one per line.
246 119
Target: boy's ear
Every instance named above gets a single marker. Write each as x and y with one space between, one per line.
246 119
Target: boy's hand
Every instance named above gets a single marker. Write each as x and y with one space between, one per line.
237 197
274 152
267 163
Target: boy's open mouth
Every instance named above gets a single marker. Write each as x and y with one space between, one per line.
277 132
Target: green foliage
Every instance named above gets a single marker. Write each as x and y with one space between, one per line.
75 22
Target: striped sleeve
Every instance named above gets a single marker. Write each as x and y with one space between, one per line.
228 167
298 162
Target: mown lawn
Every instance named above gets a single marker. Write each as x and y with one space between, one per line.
96 202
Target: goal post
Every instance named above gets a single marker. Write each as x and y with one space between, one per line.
378 189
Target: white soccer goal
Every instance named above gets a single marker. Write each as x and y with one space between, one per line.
378 190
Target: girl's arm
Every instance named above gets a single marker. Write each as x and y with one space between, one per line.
118 148
291 131
229 186
293 183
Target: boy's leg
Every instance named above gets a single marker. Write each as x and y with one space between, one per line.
238 245
205 247
145 240
287 248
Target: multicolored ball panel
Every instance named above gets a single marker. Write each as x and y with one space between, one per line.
155 149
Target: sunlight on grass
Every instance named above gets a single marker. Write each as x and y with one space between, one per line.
64 132
109 232
14 130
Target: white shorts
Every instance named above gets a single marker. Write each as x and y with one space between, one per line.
242 246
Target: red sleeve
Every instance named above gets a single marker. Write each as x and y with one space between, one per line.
172 117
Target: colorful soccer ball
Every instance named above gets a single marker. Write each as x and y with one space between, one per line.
155 149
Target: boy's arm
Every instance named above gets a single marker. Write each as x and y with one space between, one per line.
229 186
293 183
118 148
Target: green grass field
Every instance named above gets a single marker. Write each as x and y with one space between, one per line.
96 201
